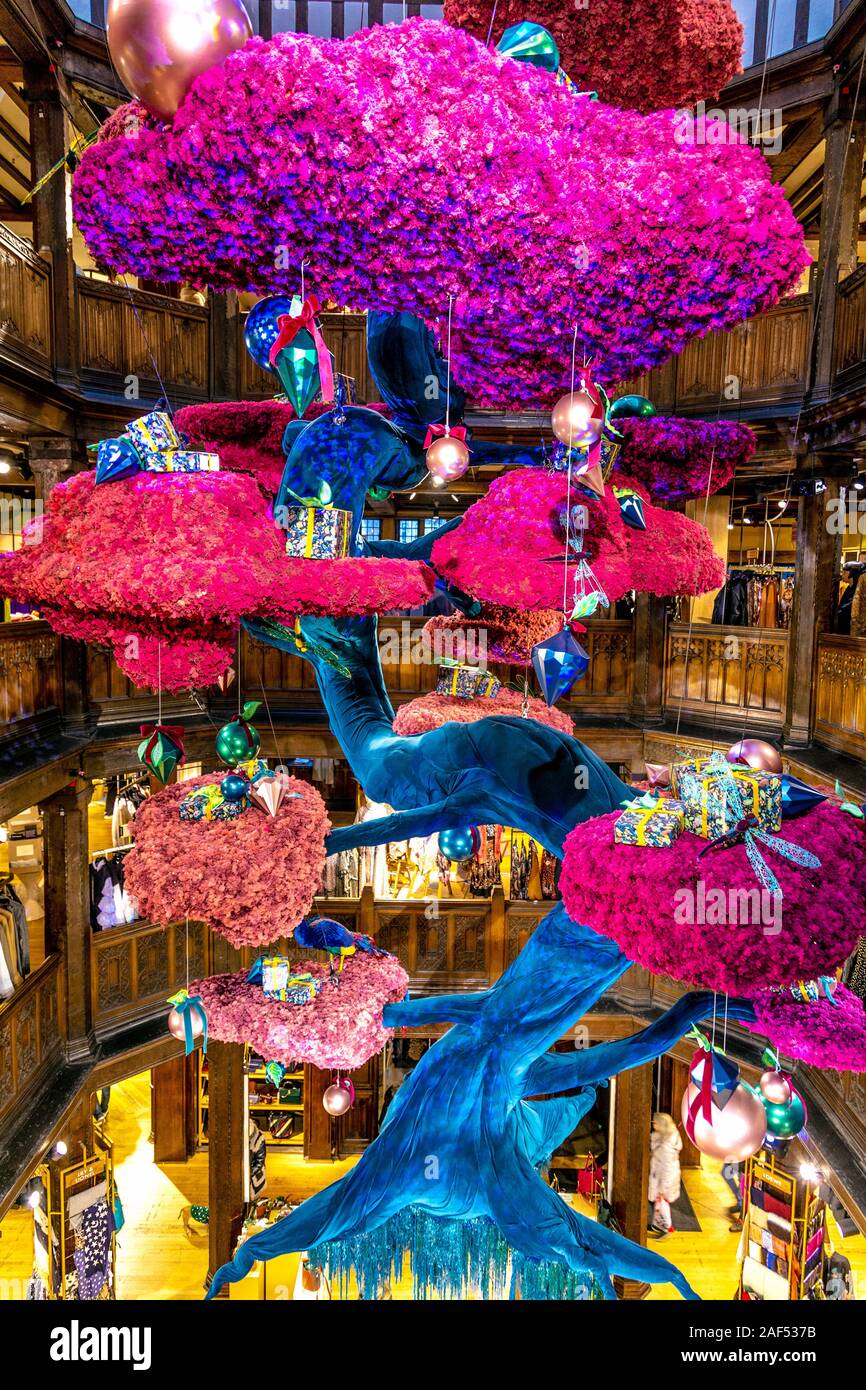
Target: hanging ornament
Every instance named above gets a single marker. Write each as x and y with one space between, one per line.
226 679
798 797
558 662
262 328
731 1134
658 774
267 792
587 593
447 456
755 753
161 749
339 1097
234 787
630 507
775 1087
578 417
590 479
784 1121
301 359
188 1020
459 845
238 741
275 1071
530 43
631 408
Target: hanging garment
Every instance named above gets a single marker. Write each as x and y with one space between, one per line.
768 608
854 973
786 601
10 902
110 903
549 874
858 609
731 605
10 976
92 1254
258 1154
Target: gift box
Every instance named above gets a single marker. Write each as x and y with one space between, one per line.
280 982
153 433
182 461
659 825
253 769
116 459
318 533
710 811
208 803
458 680
487 685
687 765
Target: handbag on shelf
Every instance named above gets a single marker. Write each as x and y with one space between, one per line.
590 1179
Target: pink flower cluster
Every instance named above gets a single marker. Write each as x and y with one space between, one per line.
341 1029
510 633
648 54
430 711
409 163
252 879
822 1034
675 459
509 549
247 435
643 898
161 567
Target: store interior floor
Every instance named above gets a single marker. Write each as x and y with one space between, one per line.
158 1259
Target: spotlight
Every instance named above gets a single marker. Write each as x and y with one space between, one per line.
5 467
809 487
60 1149
730 526
809 1173
412 496
859 484
437 482
35 1199
747 521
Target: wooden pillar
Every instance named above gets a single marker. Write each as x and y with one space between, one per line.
318 1125
690 1155
649 656
840 219
52 219
632 1117
225 346
67 907
227 1139
53 459
498 948
173 1109
817 548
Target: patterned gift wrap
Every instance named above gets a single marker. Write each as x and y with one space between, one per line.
708 811
689 765
318 533
659 826
182 461
487 686
280 982
153 433
208 803
458 680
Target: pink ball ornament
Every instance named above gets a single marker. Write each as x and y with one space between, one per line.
755 753
577 419
775 1088
731 1134
447 459
159 47
338 1098
177 1028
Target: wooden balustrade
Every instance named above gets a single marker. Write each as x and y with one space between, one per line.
31 1033
124 332
840 693
849 337
25 304
30 677
718 674
345 335
134 969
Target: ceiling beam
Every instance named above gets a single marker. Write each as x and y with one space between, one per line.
805 136
19 176
17 141
15 97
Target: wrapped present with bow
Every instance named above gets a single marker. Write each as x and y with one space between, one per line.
182 461
488 687
682 766
151 444
153 434
315 529
189 1010
208 803
300 358
813 991
649 821
710 810
747 831
280 982
457 679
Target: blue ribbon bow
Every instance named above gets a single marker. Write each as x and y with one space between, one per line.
748 831
187 1005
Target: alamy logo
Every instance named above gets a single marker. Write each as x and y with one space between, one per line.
77 1343
734 907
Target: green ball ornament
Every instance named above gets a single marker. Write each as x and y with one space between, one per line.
237 741
530 43
631 408
784 1121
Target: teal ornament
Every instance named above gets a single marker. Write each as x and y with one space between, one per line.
530 43
798 797
458 845
558 663
298 370
631 408
237 741
161 749
784 1121
234 787
261 328
116 459
275 1071
630 508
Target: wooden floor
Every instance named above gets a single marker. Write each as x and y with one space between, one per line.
157 1260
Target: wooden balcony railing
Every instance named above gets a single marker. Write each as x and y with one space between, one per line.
123 332
25 304
30 677
31 1030
346 337
840 693
135 969
717 673
849 338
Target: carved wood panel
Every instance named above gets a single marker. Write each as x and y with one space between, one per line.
25 303
29 673
716 671
840 693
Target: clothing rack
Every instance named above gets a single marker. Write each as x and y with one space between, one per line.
112 849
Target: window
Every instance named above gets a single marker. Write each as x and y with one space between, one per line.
432 523
409 529
371 528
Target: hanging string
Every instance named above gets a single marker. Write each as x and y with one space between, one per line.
492 22
186 952
148 348
304 264
725 1034
159 682
568 483
268 713
692 605
448 370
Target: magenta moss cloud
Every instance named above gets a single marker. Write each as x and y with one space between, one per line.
409 163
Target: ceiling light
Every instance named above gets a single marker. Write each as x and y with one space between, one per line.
454 497
60 1149
438 482
859 484
809 1173
412 496
5 467
35 1199
747 521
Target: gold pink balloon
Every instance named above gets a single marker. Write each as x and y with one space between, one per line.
775 1087
160 46
755 753
731 1134
177 1027
447 459
577 419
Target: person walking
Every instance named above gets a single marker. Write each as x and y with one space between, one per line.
664 1175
